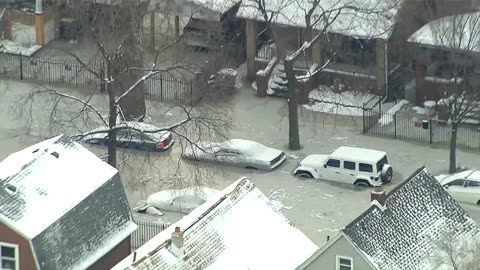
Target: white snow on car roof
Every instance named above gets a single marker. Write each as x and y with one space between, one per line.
474 176
357 154
246 146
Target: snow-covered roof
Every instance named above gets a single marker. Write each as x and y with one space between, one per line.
66 200
405 235
460 32
238 230
357 154
373 19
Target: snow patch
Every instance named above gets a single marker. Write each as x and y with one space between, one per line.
8 46
419 110
388 117
344 103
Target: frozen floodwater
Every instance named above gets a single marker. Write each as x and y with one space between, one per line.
318 208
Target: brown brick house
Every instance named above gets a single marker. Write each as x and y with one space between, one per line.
61 207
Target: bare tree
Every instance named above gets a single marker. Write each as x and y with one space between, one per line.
115 31
320 16
458 54
457 252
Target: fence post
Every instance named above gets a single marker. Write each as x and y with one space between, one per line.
363 117
161 87
21 66
430 130
395 123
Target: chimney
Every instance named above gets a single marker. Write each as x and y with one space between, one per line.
378 194
177 243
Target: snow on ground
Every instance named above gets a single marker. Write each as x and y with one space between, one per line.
388 117
343 103
8 46
419 110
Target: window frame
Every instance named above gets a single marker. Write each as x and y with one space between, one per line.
337 262
354 165
449 184
339 163
360 166
16 248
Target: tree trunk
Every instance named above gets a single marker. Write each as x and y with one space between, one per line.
112 122
293 132
453 149
133 105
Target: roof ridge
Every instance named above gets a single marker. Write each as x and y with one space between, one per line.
375 206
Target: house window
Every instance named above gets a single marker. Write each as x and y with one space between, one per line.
9 257
344 263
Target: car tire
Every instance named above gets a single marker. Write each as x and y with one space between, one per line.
303 174
387 175
251 168
361 183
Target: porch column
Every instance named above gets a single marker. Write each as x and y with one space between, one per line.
251 46
39 23
420 73
317 50
380 67
8 25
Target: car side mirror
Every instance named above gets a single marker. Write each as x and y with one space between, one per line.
325 165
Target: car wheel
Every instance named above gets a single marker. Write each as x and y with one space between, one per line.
251 168
362 183
302 174
387 175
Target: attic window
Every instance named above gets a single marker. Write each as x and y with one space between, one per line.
55 154
11 189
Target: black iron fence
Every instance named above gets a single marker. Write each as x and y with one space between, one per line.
160 87
415 127
146 230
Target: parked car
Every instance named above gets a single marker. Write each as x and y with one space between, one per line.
182 200
237 152
463 186
136 135
358 166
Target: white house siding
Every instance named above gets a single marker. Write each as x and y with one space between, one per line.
341 247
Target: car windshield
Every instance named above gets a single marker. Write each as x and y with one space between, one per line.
382 162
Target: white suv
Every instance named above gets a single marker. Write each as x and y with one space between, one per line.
358 166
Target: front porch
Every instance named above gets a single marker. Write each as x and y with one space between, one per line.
359 62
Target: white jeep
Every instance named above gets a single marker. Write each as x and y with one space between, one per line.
357 166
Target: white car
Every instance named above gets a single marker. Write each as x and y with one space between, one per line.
357 166
463 186
237 152
182 200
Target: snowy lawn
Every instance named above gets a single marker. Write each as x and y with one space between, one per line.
344 103
388 117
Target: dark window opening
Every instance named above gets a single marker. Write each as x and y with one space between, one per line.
333 163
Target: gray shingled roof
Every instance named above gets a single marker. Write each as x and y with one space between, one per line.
237 229
67 201
404 234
